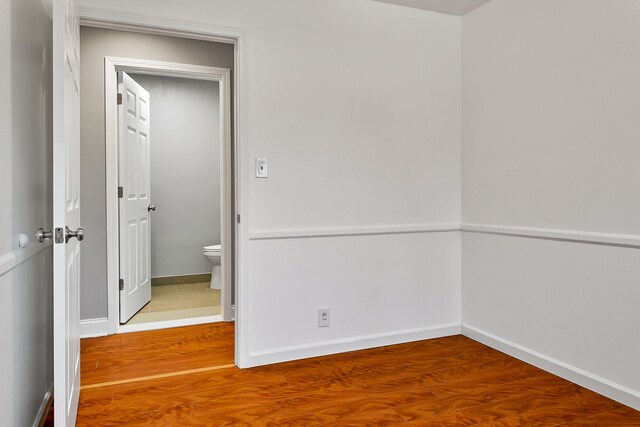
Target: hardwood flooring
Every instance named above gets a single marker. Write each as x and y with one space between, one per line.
139 354
451 381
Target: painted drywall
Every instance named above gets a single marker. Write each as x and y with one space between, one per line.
550 115
454 7
25 166
95 44
374 285
572 302
356 105
5 125
550 140
185 173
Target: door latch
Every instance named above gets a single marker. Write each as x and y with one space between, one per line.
59 235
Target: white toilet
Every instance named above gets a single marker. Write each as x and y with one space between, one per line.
213 254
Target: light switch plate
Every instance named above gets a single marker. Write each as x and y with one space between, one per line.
261 168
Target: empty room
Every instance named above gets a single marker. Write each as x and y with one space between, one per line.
320 213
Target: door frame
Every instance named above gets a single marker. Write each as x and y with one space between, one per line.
112 65
92 17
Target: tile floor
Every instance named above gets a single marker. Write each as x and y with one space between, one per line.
183 301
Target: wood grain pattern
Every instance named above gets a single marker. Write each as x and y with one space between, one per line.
124 356
450 381
157 376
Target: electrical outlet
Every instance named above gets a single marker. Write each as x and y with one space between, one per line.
323 317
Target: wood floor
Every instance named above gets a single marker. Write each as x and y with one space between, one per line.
450 381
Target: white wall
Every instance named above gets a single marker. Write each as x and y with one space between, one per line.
25 156
381 289
5 123
95 44
185 173
356 104
550 141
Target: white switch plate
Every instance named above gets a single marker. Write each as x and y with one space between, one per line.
323 317
261 168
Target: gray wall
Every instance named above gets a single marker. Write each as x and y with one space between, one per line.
551 141
185 173
25 155
95 44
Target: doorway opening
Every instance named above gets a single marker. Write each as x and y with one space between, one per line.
179 34
172 214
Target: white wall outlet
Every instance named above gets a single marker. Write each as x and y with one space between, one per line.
323 317
261 168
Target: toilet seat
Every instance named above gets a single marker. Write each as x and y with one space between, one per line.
213 248
213 254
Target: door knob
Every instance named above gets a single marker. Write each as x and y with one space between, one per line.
42 235
151 208
78 234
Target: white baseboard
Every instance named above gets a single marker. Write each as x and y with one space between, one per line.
324 348
43 407
586 379
90 328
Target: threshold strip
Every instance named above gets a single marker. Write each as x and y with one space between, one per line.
155 377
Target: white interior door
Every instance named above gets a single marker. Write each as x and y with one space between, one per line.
134 177
66 212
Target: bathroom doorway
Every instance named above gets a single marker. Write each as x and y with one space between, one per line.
174 204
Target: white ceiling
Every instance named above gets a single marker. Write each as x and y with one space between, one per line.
452 7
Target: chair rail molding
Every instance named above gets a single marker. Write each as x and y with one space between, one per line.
14 258
371 230
587 237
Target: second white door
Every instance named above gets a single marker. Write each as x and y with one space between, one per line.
135 202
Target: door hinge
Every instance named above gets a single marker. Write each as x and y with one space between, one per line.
238 218
120 192
119 99
122 284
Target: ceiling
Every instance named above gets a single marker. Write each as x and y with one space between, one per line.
452 7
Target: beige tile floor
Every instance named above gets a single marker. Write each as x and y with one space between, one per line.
183 301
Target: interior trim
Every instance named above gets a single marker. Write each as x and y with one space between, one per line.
587 237
165 324
45 406
14 258
564 370
608 239
314 232
91 328
343 345
103 18
112 118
